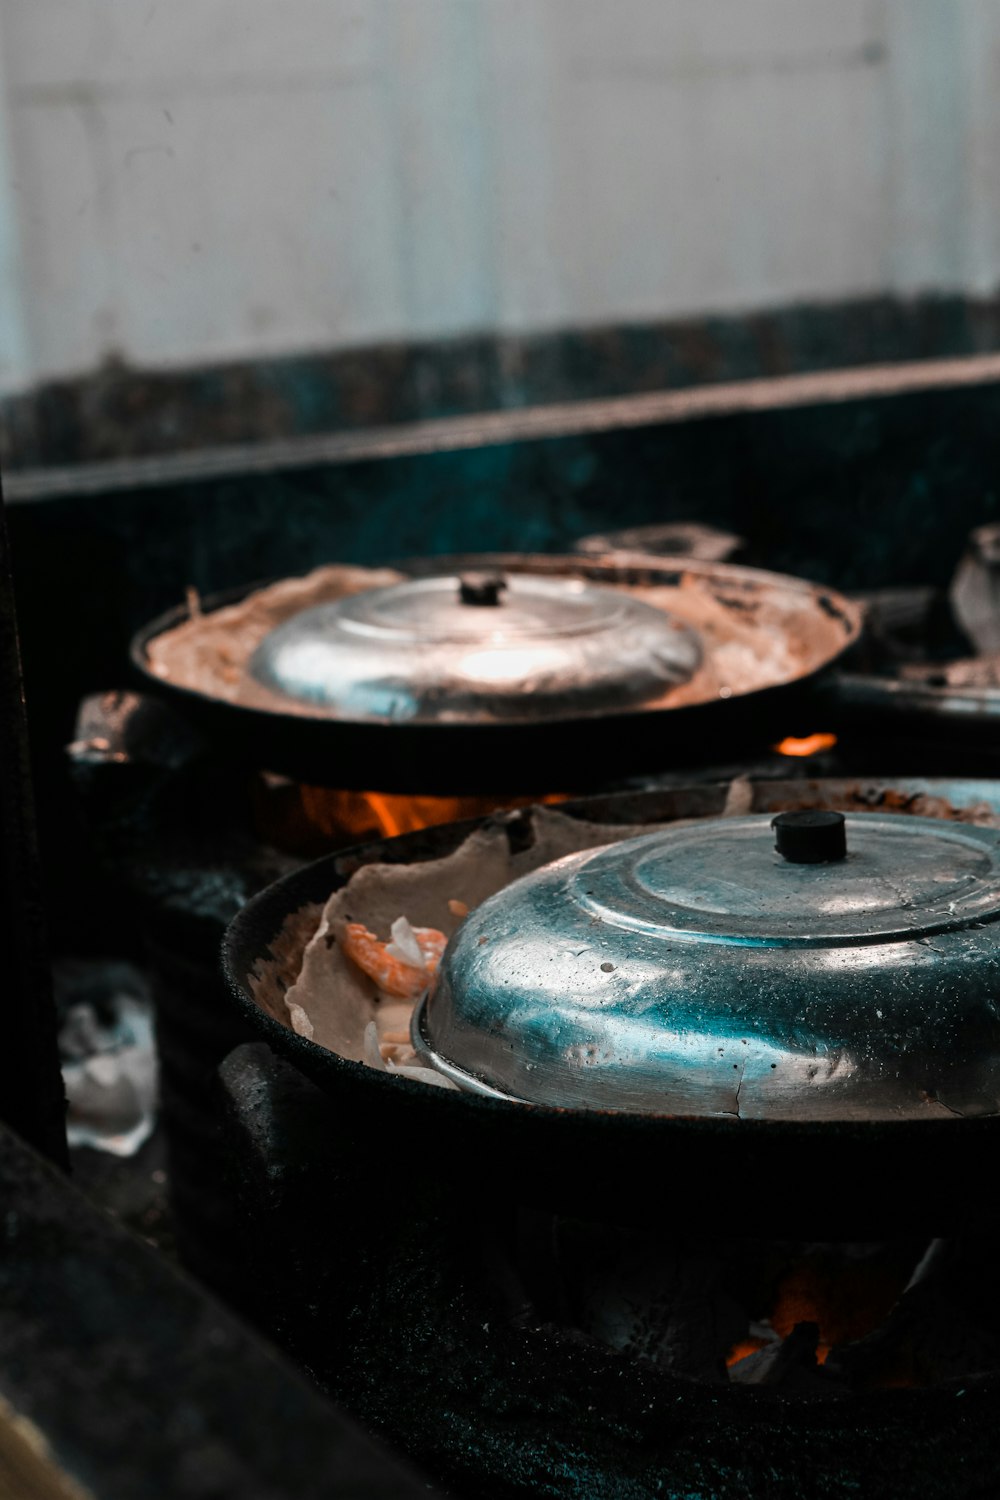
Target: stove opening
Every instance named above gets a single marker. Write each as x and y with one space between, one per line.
814 1319
306 820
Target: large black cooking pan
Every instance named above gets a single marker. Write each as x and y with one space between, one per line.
570 754
822 1180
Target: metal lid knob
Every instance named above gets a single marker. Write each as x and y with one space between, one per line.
481 588
811 837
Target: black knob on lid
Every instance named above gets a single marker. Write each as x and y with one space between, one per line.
481 588
810 838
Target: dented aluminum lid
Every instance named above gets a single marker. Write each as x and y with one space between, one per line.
478 648
814 967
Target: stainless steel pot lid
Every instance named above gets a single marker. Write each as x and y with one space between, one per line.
478 647
854 972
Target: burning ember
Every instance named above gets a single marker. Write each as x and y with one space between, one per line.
844 1297
812 744
813 1319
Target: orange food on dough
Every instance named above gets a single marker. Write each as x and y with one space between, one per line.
391 974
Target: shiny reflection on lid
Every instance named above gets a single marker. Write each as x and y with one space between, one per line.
506 663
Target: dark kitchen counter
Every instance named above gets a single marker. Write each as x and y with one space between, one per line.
122 1379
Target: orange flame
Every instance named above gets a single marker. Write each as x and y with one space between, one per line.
308 819
388 813
812 744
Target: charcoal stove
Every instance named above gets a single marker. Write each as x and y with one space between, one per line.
192 894
481 1303
264 823
584 620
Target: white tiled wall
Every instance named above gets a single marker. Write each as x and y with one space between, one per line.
187 180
